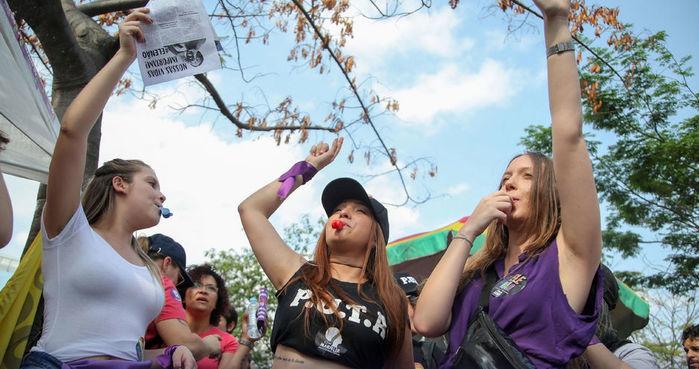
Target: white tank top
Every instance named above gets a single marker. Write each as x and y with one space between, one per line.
95 302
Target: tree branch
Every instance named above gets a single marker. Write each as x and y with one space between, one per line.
644 97
218 100
365 111
99 7
69 63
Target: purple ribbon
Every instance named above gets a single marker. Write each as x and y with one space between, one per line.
165 359
302 168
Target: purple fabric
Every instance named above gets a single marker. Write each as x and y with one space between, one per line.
164 360
302 168
538 318
107 364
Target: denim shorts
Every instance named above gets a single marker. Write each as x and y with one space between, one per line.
40 360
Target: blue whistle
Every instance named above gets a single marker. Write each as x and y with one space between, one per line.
165 212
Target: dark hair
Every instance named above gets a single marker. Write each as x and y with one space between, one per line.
231 316
196 272
691 331
3 140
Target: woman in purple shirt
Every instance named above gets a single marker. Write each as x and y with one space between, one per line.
543 236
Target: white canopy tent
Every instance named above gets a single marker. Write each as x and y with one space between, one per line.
26 115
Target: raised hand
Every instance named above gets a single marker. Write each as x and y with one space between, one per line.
321 154
495 206
553 8
182 358
130 30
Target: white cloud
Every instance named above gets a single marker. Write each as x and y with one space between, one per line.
454 90
458 189
499 39
203 177
432 33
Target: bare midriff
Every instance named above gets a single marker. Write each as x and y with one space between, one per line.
288 358
100 357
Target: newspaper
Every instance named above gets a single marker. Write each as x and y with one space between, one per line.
179 43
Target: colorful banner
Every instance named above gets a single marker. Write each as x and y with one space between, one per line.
419 253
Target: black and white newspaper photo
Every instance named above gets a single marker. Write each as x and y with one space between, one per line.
179 43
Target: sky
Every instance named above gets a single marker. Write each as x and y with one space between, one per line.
467 90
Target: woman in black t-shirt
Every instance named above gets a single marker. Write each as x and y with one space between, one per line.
343 309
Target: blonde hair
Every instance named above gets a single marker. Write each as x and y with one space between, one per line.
541 226
99 198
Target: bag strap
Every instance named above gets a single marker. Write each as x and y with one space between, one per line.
490 278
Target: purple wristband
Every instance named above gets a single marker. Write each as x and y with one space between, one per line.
302 168
165 359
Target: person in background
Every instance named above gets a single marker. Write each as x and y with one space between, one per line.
204 303
170 326
690 344
427 352
5 203
609 351
228 320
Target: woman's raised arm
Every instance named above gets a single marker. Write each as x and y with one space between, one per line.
579 239
68 160
277 259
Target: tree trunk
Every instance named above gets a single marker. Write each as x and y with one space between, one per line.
77 48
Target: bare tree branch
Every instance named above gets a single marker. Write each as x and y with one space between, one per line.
645 97
223 108
365 111
99 7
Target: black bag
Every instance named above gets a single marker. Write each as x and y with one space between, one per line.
485 345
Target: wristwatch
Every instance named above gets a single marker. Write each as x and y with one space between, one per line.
245 342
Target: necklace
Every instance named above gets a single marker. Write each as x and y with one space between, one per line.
345 264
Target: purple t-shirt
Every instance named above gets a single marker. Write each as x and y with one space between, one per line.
532 309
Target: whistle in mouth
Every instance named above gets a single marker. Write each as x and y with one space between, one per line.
165 212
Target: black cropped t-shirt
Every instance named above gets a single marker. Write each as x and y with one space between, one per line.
362 341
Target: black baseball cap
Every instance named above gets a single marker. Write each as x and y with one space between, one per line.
407 283
343 189
166 246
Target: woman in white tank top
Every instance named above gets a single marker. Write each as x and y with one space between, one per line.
100 289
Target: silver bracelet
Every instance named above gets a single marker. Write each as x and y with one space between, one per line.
470 243
560 48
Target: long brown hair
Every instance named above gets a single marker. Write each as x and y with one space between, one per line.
99 199
317 277
541 226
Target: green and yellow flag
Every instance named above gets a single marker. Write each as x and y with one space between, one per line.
18 303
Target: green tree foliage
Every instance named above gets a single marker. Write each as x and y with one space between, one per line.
244 277
648 176
670 314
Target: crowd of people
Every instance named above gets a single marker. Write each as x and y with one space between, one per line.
535 296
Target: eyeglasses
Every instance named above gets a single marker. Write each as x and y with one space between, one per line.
208 287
